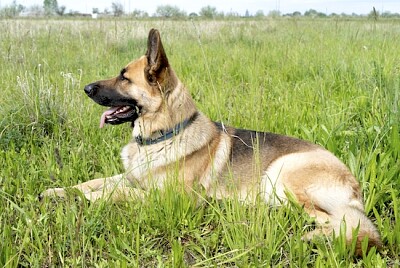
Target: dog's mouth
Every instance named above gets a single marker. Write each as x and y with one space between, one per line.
119 114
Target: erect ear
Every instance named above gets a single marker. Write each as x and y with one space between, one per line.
156 58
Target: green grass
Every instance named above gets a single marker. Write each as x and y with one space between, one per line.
333 82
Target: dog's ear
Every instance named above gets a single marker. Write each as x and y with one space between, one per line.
156 58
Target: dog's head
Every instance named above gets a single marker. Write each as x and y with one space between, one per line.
140 87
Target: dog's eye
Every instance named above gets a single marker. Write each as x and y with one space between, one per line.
123 78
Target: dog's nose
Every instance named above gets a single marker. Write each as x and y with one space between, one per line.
90 89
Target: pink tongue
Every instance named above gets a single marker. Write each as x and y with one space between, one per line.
108 112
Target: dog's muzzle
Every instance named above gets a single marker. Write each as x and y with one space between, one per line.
122 108
91 89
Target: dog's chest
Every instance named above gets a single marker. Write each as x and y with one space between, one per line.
146 165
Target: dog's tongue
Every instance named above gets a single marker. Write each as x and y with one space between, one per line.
108 112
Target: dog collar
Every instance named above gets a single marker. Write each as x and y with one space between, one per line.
165 135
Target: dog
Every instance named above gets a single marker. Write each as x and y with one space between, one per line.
170 136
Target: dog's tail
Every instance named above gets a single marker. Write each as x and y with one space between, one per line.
341 208
353 218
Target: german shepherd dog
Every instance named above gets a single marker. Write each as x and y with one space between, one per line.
170 136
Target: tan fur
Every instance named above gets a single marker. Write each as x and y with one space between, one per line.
225 161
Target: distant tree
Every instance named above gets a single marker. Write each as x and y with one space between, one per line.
247 14
311 13
169 11
296 14
50 7
36 10
117 9
193 14
274 13
139 13
95 10
19 7
374 14
208 12
259 14
73 13
61 10
12 10
388 14
221 14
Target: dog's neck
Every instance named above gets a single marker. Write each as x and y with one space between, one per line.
164 135
175 108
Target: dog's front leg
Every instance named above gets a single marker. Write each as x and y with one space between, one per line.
115 188
120 193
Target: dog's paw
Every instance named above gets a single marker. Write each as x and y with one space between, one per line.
68 194
53 192
317 234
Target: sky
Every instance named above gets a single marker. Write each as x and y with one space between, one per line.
284 6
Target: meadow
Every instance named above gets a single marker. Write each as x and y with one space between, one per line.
334 82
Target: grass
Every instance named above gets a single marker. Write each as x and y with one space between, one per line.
333 82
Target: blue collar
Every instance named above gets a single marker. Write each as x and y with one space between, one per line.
165 135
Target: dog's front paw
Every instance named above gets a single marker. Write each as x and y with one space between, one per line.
53 192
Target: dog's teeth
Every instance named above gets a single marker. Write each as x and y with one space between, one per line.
123 109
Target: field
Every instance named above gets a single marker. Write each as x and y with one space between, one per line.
333 82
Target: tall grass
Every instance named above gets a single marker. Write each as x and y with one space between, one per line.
333 82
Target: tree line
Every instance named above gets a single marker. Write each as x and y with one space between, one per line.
51 8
